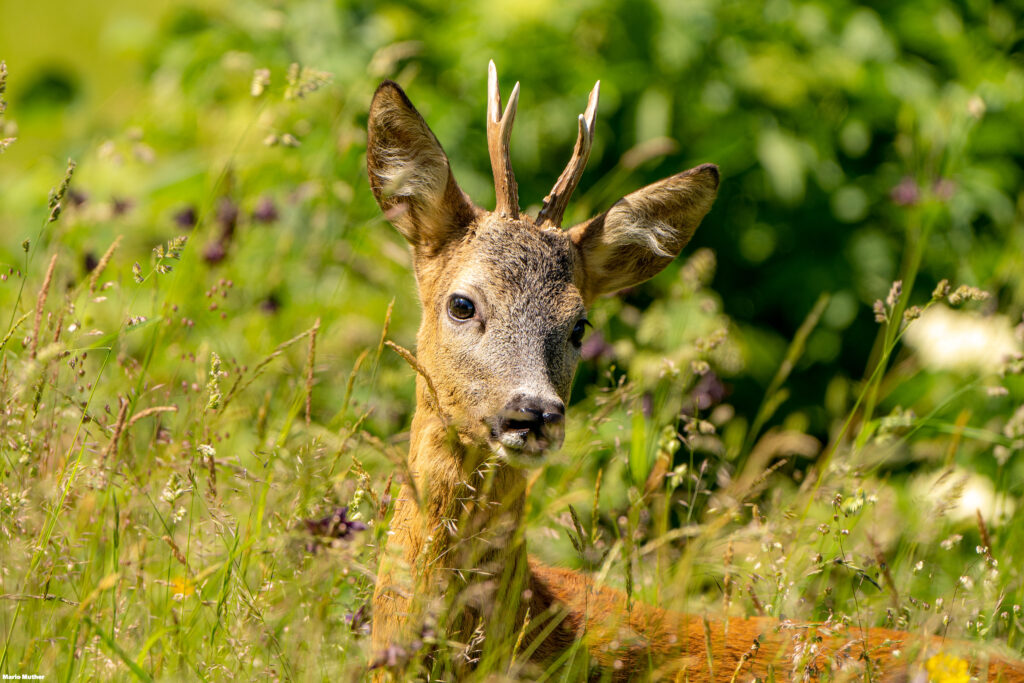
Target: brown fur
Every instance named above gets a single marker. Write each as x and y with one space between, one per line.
457 525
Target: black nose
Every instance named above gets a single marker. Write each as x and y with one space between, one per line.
526 412
531 423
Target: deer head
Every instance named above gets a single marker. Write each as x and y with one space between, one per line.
505 296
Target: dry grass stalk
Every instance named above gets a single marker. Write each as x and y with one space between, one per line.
211 468
240 385
986 540
94 279
309 369
59 327
409 358
352 380
149 411
383 332
175 550
122 413
41 304
754 599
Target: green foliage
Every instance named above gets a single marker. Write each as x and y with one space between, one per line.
196 384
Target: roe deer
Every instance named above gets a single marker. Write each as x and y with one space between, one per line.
504 299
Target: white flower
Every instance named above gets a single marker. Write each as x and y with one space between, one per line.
945 339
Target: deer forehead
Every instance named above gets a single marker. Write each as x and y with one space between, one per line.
519 269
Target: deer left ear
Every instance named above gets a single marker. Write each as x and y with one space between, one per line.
410 175
641 234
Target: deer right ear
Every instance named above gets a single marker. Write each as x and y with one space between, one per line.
641 234
410 175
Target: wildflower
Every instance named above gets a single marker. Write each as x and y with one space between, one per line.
214 252
390 657
336 525
265 211
359 621
944 668
948 339
77 197
709 391
120 206
227 215
182 587
596 347
271 304
906 193
185 217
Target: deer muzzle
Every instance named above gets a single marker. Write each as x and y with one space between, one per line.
529 425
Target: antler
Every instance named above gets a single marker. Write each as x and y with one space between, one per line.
499 130
550 215
558 199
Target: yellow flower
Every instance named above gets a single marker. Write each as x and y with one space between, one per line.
943 668
183 587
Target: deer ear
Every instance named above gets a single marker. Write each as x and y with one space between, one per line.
641 234
410 175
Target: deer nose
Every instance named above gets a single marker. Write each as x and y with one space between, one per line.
531 423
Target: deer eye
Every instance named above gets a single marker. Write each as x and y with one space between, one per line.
577 332
461 308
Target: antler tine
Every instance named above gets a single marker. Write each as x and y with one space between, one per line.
550 215
499 131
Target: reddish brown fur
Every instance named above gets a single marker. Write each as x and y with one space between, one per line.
457 524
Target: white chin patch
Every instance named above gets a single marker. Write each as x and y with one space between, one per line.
516 457
514 440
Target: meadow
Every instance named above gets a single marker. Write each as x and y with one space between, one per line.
816 413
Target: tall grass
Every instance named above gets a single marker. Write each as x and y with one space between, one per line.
170 510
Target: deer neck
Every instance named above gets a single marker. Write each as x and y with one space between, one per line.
462 513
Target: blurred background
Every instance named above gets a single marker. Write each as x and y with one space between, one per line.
837 127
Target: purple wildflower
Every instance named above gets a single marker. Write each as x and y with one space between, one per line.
335 526
227 216
214 252
596 347
265 211
906 193
185 217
